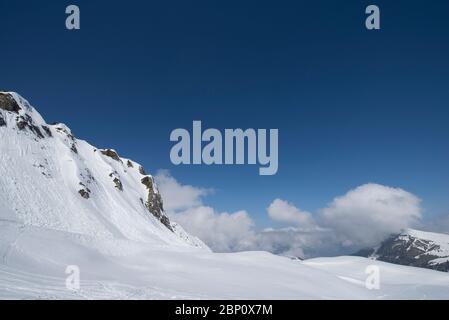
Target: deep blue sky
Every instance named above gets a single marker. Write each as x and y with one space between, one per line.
352 106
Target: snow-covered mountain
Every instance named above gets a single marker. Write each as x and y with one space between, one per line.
51 179
65 203
413 248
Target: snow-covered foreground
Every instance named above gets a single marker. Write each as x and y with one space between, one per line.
396 282
33 267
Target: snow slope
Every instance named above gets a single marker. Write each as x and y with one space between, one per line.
64 202
396 282
33 268
44 170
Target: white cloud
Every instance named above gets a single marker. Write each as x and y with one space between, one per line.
362 217
222 232
366 215
176 196
283 211
296 242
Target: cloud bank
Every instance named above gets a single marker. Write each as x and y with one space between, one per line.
369 213
178 197
283 211
361 218
221 231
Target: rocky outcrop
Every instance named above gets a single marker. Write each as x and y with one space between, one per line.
26 122
73 148
84 193
154 202
116 180
62 128
111 154
8 103
53 154
118 184
411 250
166 222
23 120
47 131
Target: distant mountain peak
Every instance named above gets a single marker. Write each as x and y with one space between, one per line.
413 248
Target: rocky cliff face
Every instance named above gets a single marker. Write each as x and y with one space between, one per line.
52 179
8 103
413 248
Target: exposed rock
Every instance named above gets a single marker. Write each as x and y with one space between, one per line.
118 184
154 203
116 180
87 177
166 222
2 122
409 250
129 164
8 103
148 182
111 153
142 171
73 148
21 124
26 121
84 193
47 131
62 128
37 131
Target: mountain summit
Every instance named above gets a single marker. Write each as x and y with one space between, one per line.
413 248
52 179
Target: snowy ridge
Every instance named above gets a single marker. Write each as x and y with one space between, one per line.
414 248
440 239
65 203
53 180
432 244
